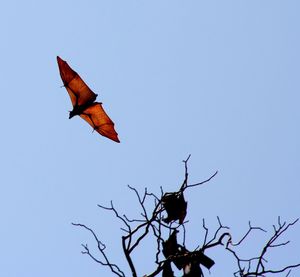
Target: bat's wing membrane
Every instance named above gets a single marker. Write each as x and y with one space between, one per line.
82 98
100 121
78 90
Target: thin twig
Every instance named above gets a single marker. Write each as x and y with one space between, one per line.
101 247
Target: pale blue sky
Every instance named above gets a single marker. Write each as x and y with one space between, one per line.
215 79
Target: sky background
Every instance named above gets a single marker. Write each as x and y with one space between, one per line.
215 79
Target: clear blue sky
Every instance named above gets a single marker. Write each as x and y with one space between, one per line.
215 79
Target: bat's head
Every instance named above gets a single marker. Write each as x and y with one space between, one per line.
77 110
71 114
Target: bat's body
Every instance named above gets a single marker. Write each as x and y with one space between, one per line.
183 259
78 110
175 206
83 101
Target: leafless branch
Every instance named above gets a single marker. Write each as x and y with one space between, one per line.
256 265
251 228
151 221
214 241
185 184
112 208
101 247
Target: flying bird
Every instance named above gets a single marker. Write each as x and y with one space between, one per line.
83 101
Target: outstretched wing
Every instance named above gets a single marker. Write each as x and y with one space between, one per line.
78 90
100 121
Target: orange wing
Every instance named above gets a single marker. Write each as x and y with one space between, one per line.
100 121
78 90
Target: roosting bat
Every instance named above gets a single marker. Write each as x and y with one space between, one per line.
174 251
183 259
171 247
175 206
83 98
167 269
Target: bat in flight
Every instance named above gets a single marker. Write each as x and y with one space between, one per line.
83 101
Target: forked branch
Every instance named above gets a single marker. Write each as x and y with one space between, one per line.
152 221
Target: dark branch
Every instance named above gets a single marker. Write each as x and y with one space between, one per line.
101 247
151 221
257 265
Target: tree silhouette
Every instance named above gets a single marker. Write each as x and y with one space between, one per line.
165 220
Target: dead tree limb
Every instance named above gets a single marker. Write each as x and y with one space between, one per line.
163 216
256 266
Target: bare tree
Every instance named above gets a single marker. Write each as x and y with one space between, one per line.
165 220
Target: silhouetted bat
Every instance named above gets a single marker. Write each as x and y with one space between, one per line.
183 259
170 246
167 269
174 251
198 257
175 206
82 98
